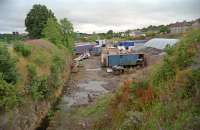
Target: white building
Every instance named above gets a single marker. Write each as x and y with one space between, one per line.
136 34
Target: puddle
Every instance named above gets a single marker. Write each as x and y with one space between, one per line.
85 91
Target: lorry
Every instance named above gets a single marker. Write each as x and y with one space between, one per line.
121 62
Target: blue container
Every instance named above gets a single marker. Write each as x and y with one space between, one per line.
80 49
131 43
126 43
122 60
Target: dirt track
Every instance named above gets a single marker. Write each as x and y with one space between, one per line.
83 88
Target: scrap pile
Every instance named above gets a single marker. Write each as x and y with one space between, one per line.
84 51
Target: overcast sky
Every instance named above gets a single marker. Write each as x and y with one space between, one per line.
101 15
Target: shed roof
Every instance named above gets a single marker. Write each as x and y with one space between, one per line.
82 44
160 43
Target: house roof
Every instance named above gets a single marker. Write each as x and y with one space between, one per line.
136 32
179 24
160 43
82 43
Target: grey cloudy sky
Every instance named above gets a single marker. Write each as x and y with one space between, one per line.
101 15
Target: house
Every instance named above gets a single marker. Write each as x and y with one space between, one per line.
196 24
136 34
179 27
123 34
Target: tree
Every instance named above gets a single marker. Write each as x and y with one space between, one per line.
110 34
52 31
164 29
7 66
36 20
68 33
58 34
93 37
127 32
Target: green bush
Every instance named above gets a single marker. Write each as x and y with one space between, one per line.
37 85
195 79
141 84
165 73
38 88
8 96
7 66
170 49
31 71
23 49
187 50
56 68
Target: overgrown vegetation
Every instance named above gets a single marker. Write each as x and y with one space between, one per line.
37 85
52 32
29 69
23 49
7 66
56 68
8 78
33 72
42 86
8 95
167 99
61 34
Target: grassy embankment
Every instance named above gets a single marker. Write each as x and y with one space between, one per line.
31 71
166 98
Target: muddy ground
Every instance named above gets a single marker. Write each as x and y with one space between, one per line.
84 87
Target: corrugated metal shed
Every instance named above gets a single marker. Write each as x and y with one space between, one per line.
160 43
82 48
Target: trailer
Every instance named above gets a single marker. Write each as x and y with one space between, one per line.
130 59
125 62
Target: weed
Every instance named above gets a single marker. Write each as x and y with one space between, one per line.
57 66
8 66
8 95
37 85
23 49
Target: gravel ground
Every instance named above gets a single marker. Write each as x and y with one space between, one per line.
83 88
